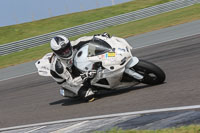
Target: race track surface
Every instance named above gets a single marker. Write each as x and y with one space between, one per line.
33 99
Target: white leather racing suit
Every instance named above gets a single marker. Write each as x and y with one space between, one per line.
62 72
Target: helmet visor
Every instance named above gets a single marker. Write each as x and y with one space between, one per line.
64 52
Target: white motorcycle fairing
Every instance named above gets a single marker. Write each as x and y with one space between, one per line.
115 55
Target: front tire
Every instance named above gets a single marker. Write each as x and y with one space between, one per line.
153 75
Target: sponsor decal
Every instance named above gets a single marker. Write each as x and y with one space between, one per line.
111 54
102 56
107 55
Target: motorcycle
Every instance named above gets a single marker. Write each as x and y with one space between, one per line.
111 59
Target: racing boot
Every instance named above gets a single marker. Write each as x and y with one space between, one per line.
87 94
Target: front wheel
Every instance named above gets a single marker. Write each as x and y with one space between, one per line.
153 74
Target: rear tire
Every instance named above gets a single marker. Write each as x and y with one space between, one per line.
153 74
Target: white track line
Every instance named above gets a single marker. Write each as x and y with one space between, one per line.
35 129
63 130
18 76
104 116
161 42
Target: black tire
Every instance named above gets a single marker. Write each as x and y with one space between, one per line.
153 75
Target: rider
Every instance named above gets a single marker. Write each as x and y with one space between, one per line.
64 72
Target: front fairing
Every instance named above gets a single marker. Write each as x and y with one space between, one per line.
114 54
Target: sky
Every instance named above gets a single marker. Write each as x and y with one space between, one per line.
21 11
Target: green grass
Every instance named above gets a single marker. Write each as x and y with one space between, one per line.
180 16
183 129
26 30
24 56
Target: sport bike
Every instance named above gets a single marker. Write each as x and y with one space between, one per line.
112 65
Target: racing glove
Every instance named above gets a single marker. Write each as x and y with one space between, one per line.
88 74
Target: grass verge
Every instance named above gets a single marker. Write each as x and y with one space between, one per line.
183 129
26 30
180 16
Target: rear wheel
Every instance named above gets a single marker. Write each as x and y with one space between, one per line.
153 74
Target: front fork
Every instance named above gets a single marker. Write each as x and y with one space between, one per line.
130 72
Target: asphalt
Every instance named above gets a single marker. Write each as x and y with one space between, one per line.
33 99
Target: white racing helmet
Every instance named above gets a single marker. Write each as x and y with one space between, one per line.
61 46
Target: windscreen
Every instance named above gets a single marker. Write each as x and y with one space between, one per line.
98 47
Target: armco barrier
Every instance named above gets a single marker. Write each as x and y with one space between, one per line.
92 26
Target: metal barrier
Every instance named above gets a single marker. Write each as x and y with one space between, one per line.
92 26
